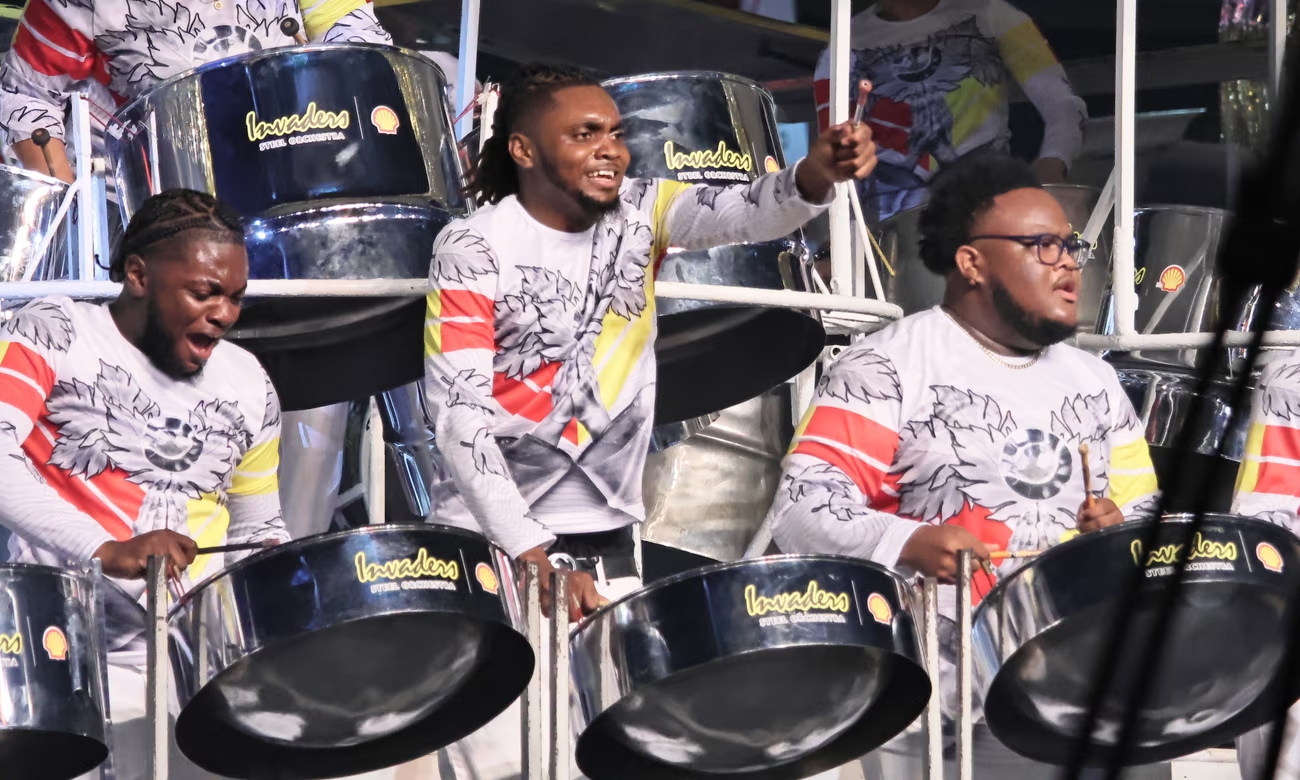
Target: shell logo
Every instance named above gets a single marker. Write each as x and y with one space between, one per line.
1269 557
770 164
55 643
385 120
1171 279
486 577
879 609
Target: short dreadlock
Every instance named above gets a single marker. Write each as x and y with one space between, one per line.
529 89
167 215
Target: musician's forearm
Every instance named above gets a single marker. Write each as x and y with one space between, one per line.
32 158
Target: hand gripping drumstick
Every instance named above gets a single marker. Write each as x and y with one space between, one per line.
41 137
1087 475
289 26
864 91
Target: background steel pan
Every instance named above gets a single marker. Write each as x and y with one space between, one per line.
915 288
28 204
51 694
289 661
715 355
692 678
1039 634
357 192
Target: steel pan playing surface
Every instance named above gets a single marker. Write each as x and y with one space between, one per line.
322 658
1039 633
769 669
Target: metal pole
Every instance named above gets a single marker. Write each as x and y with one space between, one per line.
376 500
156 669
468 64
532 714
934 711
96 628
84 211
1125 109
1277 32
840 237
965 730
559 672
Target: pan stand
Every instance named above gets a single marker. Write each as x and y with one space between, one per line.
965 730
545 740
933 711
156 671
95 573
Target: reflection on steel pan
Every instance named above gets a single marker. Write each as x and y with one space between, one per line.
1039 633
347 652
342 159
915 288
51 695
715 128
769 669
28 204
1164 400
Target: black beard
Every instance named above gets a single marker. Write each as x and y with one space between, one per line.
589 205
1037 330
159 347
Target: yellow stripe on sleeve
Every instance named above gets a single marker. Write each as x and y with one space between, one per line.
1248 474
1025 51
258 473
319 18
1131 472
432 327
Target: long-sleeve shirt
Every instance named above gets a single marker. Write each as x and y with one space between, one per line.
98 445
539 351
940 91
1268 481
115 50
916 424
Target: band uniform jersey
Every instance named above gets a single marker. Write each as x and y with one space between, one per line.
539 351
916 424
1268 480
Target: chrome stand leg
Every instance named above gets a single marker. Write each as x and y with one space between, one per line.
531 709
156 686
98 640
934 711
558 669
965 733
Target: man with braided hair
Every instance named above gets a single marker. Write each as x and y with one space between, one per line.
539 346
131 429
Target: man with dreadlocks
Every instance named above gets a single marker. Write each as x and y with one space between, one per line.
540 367
131 429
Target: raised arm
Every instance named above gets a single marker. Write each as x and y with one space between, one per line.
459 338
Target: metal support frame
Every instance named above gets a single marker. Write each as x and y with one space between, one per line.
467 65
965 721
558 669
934 710
1125 127
532 714
156 669
842 259
1277 34
376 476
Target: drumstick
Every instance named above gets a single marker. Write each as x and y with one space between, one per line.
1087 475
864 91
289 26
41 137
225 548
1002 555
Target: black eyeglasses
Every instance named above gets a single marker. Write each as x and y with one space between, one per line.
1051 247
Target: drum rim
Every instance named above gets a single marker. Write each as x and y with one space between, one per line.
298 544
56 570
666 75
1180 208
275 51
766 560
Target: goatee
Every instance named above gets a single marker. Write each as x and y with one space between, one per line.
160 348
1035 329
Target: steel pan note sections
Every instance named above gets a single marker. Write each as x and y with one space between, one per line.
347 652
51 695
772 668
718 129
1039 632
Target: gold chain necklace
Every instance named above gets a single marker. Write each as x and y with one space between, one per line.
995 357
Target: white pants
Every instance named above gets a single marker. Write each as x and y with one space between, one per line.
1252 750
494 752
130 739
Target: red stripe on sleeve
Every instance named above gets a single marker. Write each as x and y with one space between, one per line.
1278 478
517 398
466 335
868 478
31 369
1280 442
822 97
111 483
855 431
465 303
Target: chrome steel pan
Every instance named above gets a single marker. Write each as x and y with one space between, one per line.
342 159
774 668
346 652
51 683
715 355
28 205
1039 633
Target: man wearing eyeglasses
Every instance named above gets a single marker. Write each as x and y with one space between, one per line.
960 427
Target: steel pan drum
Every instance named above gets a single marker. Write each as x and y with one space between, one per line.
342 159
915 288
51 684
772 668
346 652
715 355
28 205
1039 634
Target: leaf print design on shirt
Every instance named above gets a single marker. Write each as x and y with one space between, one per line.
473 257
487 455
829 489
43 323
636 192
468 388
535 325
862 374
113 423
1282 392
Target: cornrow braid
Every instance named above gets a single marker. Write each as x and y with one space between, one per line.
530 88
169 214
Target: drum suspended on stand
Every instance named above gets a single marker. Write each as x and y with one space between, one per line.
52 711
29 203
715 355
1039 634
342 160
347 652
768 669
